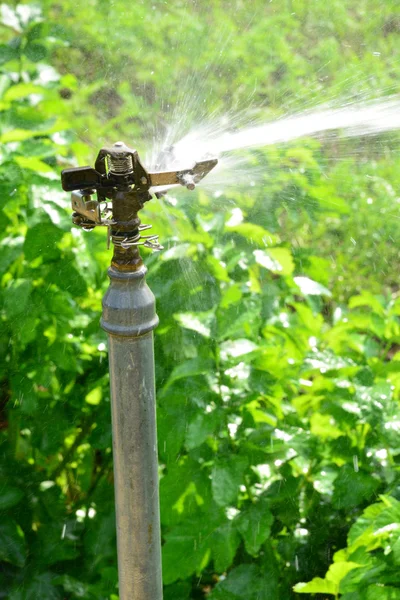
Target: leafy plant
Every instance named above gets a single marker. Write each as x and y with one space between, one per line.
278 350
368 566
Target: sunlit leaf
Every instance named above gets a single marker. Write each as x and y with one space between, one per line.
94 396
255 234
308 287
316 586
277 260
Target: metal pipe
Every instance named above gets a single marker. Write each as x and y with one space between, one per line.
129 319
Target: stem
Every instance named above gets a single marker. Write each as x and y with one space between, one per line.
85 428
248 490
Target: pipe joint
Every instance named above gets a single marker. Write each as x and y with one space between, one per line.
129 304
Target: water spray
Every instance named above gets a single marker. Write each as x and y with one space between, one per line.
122 186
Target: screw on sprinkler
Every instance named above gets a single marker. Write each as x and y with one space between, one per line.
119 176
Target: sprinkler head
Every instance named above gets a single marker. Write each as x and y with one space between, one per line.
119 175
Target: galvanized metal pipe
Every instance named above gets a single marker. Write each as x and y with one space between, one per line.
129 318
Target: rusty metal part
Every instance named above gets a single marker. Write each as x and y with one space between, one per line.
122 186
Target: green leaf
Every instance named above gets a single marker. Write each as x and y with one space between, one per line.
33 163
41 586
53 547
17 296
316 586
22 388
237 348
171 430
35 52
7 53
330 585
243 323
12 543
199 322
226 476
308 287
18 135
369 300
41 241
10 250
94 396
178 251
225 543
396 551
217 269
255 234
68 278
72 586
177 591
382 592
10 496
338 570
182 555
352 488
246 582
231 295
187 550
324 427
374 517
199 429
190 368
277 260
328 361
254 524
22 90
184 491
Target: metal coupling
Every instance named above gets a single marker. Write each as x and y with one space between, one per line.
129 304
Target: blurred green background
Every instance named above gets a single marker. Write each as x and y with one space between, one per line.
278 369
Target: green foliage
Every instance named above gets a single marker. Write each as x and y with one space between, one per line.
278 369
368 566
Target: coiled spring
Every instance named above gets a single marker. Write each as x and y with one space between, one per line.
125 240
120 165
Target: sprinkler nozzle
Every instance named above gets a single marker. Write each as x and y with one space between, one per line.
188 181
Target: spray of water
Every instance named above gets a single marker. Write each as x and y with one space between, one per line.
225 137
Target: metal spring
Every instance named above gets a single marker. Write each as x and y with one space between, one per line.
120 165
127 241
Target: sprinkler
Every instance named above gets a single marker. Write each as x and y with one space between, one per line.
123 185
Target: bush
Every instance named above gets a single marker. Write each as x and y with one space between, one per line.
277 353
